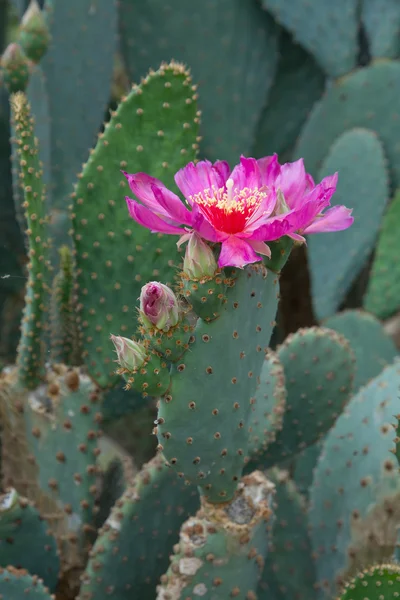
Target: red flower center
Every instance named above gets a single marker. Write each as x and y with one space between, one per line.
229 210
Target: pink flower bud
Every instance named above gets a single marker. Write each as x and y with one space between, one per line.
199 259
131 355
159 306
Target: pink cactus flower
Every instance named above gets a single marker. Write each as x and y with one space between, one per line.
258 202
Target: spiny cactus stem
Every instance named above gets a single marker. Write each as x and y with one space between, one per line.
30 355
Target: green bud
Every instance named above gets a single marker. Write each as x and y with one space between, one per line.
199 261
15 68
34 35
131 355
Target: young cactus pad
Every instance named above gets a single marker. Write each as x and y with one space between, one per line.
202 424
379 582
154 130
18 584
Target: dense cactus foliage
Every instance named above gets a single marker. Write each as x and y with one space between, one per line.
166 433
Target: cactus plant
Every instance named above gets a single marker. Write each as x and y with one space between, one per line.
182 276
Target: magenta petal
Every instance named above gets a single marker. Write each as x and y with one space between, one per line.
195 178
172 205
260 247
142 186
275 228
292 181
236 252
269 169
144 216
336 218
246 174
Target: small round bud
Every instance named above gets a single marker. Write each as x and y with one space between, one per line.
199 261
159 307
34 36
131 355
15 68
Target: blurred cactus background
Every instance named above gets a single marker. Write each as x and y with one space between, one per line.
282 484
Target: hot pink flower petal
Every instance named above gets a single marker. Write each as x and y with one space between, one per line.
269 169
292 181
236 252
262 212
144 216
336 218
273 229
141 185
195 178
172 205
203 227
313 203
246 174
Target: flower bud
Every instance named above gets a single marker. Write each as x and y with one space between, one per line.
199 259
159 306
15 68
131 355
34 35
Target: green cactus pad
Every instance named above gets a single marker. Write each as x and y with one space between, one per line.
336 258
380 582
282 119
231 49
280 252
354 500
17 584
154 130
319 369
381 20
30 360
303 465
328 30
61 427
76 81
268 407
24 540
372 347
133 547
171 344
202 421
347 104
153 378
289 568
383 293
222 549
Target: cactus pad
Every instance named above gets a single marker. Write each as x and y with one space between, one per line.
319 369
133 547
328 30
19 585
153 130
24 540
231 48
367 98
222 549
383 294
373 349
380 582
268 408
354 500
202 420
336 258
289 568
381 20
73 85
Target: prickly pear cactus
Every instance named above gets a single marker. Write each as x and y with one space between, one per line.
379 582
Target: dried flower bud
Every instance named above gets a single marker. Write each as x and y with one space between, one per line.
131 355
159 306
199 259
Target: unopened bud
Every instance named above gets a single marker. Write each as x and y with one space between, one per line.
15 68
159 307
131 355
34 35
199 259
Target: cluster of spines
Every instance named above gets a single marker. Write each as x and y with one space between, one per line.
30 352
